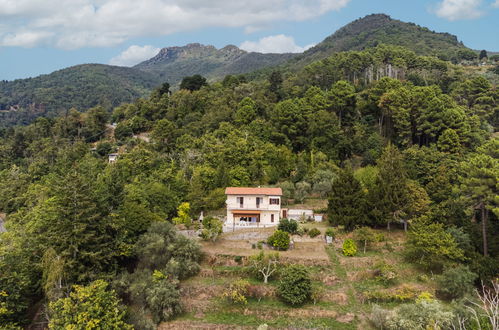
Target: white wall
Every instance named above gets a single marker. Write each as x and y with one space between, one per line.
250 203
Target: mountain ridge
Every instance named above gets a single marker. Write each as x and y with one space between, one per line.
83 86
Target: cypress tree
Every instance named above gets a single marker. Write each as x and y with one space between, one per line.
347 201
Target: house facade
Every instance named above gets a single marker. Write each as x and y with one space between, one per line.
253 206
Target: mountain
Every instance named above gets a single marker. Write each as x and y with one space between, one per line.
85 86
81 87
173 63
375 29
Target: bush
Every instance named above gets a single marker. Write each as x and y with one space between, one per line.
349 248
212 228
331 232
455 282
287 225
237 292
314 232
295 287
421 315
384 273
279 240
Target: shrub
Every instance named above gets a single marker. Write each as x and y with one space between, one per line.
295 287
301 231
384 273
287 225
421 315
317 293
314 232
331 232
237 292
455 282
212 228
279 240
349 248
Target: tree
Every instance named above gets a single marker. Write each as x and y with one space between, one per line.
483 54
365 236
430 246
279 240
163 133
479 183
265 264
295 286
449 142
212 228
455 281
342 96
418 202
193 83
389 197
346 202
88 307
183 215
302 190
290 226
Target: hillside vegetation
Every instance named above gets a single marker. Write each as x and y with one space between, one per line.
399 144
80 87
85 86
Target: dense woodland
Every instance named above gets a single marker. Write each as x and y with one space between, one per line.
393 140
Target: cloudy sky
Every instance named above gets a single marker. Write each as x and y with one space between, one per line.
40 36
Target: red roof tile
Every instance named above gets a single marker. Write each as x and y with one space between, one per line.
253 191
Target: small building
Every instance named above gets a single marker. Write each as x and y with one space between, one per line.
253 206
113 158
300 214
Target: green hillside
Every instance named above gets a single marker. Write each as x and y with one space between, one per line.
375 29
81 87
85 86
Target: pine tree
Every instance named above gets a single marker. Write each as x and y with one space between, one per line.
389 197
481 174
347 201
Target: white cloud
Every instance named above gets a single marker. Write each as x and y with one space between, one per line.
134 55
99 23
274 44
25 39
454 10
496 4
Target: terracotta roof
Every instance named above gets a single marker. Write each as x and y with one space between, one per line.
253 191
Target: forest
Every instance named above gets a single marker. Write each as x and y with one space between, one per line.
392 139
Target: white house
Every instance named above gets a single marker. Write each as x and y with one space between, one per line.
253 206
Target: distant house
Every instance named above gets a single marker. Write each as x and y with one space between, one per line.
253 206
113 158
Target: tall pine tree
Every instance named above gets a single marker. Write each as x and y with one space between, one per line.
388 199
347 201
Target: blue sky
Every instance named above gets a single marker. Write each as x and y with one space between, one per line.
40 36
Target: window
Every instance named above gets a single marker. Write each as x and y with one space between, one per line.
271 218
274 201
240 200
259 200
